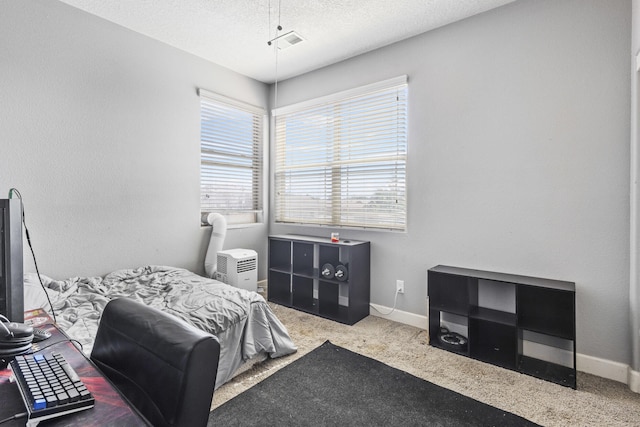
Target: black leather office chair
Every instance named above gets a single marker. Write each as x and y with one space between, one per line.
165 367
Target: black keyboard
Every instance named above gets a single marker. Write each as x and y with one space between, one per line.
49 386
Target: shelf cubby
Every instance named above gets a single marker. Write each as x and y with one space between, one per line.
280 287
281 259
302 292
303 259
328 297
548 311
493 342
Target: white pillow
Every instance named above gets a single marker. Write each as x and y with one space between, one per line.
34 296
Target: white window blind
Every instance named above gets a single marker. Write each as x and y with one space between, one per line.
231 135
341 159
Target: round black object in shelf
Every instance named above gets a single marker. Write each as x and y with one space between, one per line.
327 271
341 273
453 341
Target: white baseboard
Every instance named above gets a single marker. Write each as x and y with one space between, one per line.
604 368
399 316
634 380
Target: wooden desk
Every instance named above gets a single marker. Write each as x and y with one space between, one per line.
110 409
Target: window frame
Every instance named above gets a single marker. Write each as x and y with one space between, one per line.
237 217
333 102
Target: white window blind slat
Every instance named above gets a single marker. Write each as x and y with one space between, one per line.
231 146
341 160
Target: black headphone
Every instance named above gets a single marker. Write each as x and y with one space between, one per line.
15 339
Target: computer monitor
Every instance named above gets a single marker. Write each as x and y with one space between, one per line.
11 259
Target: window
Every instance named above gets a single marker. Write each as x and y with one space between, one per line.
231 135
341 159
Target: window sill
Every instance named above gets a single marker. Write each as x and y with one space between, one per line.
236 226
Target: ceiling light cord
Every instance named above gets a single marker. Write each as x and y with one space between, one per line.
275 96
269 27
279 14
270 42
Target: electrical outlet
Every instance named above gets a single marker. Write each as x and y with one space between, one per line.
400 286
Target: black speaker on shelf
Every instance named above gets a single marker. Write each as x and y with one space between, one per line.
341 273
328 271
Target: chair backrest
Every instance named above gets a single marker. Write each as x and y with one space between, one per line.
165 367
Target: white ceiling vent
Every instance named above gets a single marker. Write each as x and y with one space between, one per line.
287 40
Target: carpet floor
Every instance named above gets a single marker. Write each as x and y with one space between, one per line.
332 386
596 402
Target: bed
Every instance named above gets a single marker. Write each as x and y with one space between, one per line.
245 325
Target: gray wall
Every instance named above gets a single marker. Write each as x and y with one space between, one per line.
634 285
518 155
100 131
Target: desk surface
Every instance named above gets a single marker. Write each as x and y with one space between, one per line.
110 408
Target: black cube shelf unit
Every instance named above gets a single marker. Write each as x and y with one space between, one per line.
499 313
296 281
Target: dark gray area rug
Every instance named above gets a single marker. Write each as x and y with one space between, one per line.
333 386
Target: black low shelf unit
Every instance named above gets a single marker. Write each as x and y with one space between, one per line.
540 310
295 278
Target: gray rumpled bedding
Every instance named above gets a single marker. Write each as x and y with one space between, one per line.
242 320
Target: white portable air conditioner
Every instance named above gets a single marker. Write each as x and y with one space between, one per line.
239 268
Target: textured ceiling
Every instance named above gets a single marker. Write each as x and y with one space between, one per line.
234 33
